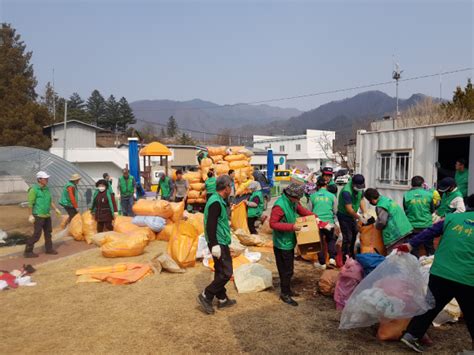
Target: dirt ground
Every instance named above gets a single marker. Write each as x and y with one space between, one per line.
160 315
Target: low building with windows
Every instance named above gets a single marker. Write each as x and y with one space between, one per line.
308 152
389 157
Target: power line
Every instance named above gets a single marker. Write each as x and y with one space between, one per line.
335 91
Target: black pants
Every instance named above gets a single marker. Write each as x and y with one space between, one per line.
104 227
329 246
71 211
285 260
429 245
349 236
41 225
222 274
251 223
444 291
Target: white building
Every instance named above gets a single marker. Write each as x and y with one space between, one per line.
389 158
259 159
308 152
79 134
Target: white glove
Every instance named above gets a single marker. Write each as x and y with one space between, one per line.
329 226
58 212
317 220
216 251
31 219
435 218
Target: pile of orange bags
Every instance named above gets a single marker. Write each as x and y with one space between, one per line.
75 228
89 226
160 208
124 225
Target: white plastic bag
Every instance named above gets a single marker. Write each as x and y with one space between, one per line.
203 251
155 223
394 290
252 278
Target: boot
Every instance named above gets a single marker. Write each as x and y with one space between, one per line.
51 252
30 254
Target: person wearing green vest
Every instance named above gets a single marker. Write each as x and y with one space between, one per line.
327 174
165 187
40 202
103 206
210 184
217 234
451 199
107 178
349 203
323 204
255 206
391 220
460 175
419 206
282 220
452 272
69 197
126 187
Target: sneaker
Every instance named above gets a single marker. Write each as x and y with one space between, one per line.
319 266
206 305
412 342
332 262
227 303
288 300
294 294
30 254
51 252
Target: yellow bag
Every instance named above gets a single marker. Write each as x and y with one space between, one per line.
166 232
221 169
217 158
128 227
197 186
183 244
192 176
99 238
243 188
75 228
216 151
236 149
178 210
160 208
122 219
204 172
240 175
89 226
193 194
238 218
371 240
235 157
130 245
197 220
206 162
196 200
239 164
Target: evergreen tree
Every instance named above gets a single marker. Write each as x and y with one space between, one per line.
172 127
21 117
463 102
76 109
125 114
111 116
96 107
186 139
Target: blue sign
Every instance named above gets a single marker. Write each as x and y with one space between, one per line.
282 160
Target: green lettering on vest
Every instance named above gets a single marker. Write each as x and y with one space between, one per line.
418 203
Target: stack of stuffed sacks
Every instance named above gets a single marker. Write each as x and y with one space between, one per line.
197 190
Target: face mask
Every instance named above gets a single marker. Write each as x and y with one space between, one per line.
101 188
358 189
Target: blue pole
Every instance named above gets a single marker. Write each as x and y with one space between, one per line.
134 163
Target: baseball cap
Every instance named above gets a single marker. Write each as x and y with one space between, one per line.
328 170
358 181
42 175
446 183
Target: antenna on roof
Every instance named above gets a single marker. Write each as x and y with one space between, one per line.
396 75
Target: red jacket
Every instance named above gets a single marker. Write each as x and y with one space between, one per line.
278 214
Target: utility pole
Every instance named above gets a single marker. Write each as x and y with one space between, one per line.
440 85
396 75
54 111
65 130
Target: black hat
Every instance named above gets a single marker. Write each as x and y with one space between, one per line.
327 170
445 184
358 181
101 182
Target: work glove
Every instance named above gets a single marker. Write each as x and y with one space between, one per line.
435 218
58 212
116 214
31 219
329 227
216 251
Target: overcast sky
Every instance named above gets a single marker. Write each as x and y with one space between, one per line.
229 51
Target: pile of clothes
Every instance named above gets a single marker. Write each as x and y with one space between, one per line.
16 278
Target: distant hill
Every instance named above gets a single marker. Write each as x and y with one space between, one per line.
207 116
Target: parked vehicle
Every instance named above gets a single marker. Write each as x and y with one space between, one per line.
342 179
282 175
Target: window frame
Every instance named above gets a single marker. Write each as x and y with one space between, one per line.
280 149
298 147
400 168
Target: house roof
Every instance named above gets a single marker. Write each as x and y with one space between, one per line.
60 124
155 149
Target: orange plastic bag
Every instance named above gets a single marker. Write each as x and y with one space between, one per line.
132 274
192 177
236 149
166 232
128 227
238 218
235 157
327 282
197 220
236 262
392 329
197 186
160 208
240 175
89 226
221 169
178 210
75 228
243 188
217 150
183 244
371 240
196 200
130 245
217 158
239 164
193 194
206 162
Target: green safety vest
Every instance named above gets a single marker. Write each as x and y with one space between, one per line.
454 258
446 200
256 211
285 240
165 187
210 185
323 205
109 187
223 229
126 186
418 203
109 199
65 200
398 225
356 199
462 178
42 204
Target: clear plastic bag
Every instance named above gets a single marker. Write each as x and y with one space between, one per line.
394 290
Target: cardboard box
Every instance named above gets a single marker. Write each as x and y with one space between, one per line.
308 239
